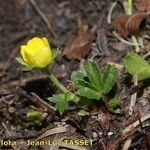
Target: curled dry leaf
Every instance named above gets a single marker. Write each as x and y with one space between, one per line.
119 25
79 46
129 24
142 5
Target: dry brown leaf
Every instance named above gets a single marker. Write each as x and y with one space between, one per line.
53 131
129 24
133 23
79 46
142 5
119 25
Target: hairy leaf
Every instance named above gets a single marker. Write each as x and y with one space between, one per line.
110 76
137 66
89 93
93 73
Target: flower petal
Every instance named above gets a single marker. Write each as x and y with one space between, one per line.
23 53
43 57
45 40
35 44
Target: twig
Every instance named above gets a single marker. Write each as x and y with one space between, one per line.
127 144
117 65
53 131
123 40
133 98
50 108
44 18
110 12
146 55
38 101
135 124
137 48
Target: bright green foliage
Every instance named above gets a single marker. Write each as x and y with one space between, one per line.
110 76
113 104
61 101
91 83
93 74
137 66
35 117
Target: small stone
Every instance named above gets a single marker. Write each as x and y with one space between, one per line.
109 134
95 135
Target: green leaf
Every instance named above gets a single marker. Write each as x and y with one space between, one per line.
61 101
55 52
88 93
137 66
34 114
110 76
83 83
113 104
21 61
62 105
76 76
26 67
93 73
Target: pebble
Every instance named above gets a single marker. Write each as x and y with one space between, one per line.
109 134
95 135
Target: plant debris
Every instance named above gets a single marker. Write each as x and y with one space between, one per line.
142 5
79 46
129 24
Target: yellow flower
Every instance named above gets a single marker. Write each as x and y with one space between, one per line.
37 52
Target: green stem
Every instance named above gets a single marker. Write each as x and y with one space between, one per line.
57 83
130 7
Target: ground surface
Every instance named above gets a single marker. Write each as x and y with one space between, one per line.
19 22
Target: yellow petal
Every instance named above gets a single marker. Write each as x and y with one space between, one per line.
23 53
45 40
37 52
35 44
27 57
43 57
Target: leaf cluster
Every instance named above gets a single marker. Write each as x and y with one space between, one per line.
92 83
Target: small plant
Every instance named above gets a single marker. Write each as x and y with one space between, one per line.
113 104
37 54
137 66
61 101
93 84
34 117
90 82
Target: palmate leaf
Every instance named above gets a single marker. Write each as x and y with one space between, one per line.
137 66
88 93
94 84
61 101
93 73
83 83
110 76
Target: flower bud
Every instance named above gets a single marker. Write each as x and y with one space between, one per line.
37 52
